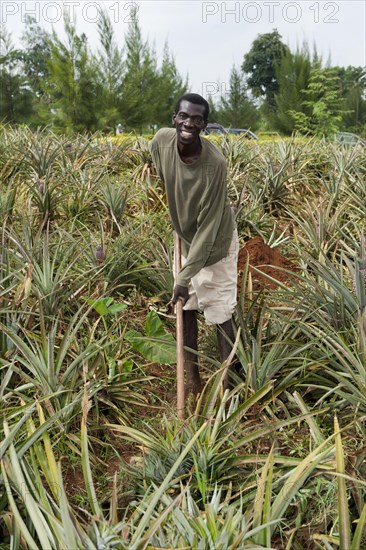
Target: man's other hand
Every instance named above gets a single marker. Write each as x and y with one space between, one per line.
180 292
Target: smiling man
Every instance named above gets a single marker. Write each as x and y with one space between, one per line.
194 173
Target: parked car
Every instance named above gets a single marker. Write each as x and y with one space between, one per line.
214 128
242 131
348 138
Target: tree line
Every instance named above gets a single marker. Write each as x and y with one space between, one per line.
62 83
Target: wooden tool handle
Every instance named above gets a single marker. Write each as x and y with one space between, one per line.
179 334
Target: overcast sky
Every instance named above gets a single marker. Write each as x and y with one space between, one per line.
207 38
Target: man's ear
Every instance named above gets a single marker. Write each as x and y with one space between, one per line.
174 115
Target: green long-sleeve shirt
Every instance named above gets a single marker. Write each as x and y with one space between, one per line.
197 199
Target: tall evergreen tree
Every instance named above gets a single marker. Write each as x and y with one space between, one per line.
111 73
139 94
236 108
292 74
170 86
73 85
36 55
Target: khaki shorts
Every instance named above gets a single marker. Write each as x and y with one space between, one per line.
214 289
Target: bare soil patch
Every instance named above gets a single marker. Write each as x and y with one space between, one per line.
268 260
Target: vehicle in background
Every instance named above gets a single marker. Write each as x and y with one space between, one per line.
245 132
214 128
348 138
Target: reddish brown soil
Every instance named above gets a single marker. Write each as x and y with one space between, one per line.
267 260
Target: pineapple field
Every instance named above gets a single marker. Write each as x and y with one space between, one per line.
92 452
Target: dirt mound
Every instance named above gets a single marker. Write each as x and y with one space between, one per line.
265 258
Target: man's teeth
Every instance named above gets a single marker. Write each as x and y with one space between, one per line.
186 134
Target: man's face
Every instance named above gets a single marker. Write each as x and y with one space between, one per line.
189 122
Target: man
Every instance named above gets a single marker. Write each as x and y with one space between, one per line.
194 173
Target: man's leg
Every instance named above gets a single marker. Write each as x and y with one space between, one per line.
225 340
215 288
193 380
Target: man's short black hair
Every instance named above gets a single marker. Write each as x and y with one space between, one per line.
197 100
